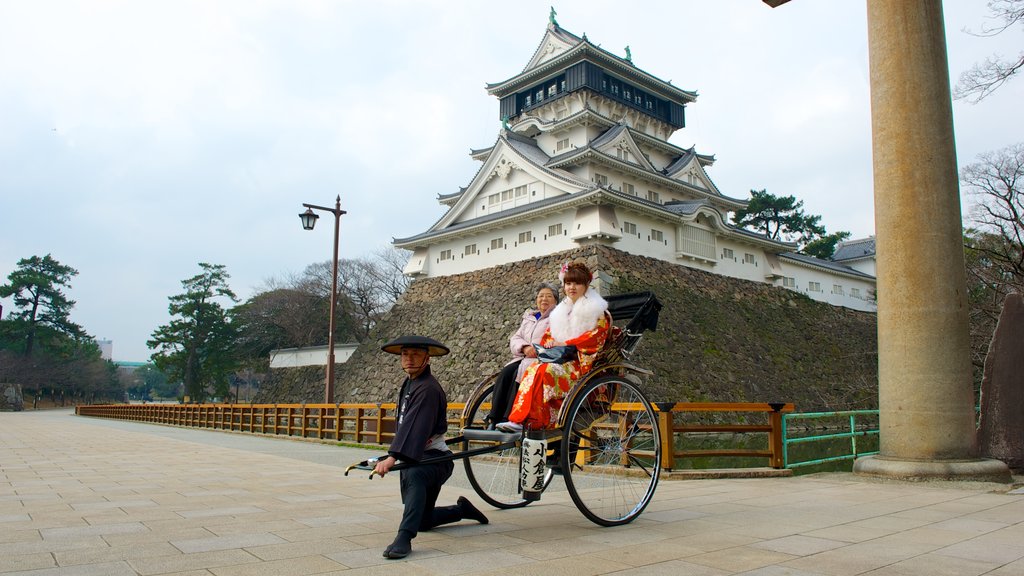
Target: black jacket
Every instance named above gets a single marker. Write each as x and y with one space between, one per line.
422 414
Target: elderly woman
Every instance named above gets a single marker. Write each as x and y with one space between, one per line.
581 320
531 330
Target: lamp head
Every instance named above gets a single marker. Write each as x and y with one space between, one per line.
308 219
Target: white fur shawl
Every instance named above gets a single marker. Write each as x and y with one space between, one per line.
570 320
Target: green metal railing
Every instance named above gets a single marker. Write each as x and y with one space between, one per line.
853 433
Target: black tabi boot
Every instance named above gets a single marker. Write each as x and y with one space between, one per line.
470 512
400 548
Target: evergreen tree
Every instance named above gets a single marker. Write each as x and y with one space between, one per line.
779 218
37 287
198 346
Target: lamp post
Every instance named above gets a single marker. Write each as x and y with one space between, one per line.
309 219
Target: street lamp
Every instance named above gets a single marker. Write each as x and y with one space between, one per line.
309 219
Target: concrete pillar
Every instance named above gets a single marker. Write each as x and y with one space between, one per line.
926 398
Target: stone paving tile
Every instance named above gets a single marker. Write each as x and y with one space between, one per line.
799 545
225 542
858 558
473 562
291 567
777 571
33 546
647 553
107 569
673 568
513 565
978 549
92 530
739 558
13 535
298 549
934 565
114 553
199 560
19 562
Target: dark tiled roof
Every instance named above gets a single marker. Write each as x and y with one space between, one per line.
826 264
854 249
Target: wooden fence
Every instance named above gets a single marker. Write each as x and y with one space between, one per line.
375 423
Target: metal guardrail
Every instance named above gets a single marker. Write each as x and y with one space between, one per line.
853 434
375 423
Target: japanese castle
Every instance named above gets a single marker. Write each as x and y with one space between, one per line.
583 158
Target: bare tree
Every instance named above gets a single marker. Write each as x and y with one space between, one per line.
994 240
985 77
389 264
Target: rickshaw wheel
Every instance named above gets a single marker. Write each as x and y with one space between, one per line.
494 475
611 466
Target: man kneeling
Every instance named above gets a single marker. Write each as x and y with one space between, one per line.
421 424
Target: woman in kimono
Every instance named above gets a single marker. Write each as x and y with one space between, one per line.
581 320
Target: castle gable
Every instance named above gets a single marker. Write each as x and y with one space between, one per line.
512 175
619 143
555 42
689 168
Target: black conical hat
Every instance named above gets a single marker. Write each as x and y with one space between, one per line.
433 347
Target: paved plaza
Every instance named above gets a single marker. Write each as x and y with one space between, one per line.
83 496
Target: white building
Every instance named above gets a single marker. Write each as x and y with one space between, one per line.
310 356
583 158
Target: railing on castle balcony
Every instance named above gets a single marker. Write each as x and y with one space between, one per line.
375 423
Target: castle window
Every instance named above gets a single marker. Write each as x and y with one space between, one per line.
653 196
855 292
837 289
601 179
622 154
814 286
540 95
727 253
551 90
657 235
554 230
561 86
629 189
699 242
446 254
470 249
788 282
527 101
628 228
493 199
625 93
497 243
748 258
525 237
562 144
520 191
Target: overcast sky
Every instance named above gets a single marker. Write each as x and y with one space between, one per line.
140 138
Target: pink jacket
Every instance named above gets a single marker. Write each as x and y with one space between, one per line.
530 331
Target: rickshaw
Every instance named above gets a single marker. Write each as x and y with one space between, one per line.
606 445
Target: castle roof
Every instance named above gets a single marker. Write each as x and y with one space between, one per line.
828 265
855 250
574 49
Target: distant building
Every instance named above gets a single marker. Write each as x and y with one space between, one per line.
583 158
106 349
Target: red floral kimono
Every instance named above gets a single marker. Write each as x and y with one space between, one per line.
545 384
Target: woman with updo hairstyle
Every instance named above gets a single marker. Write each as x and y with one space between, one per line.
581 320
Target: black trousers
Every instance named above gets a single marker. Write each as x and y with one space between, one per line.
420 486
505 388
